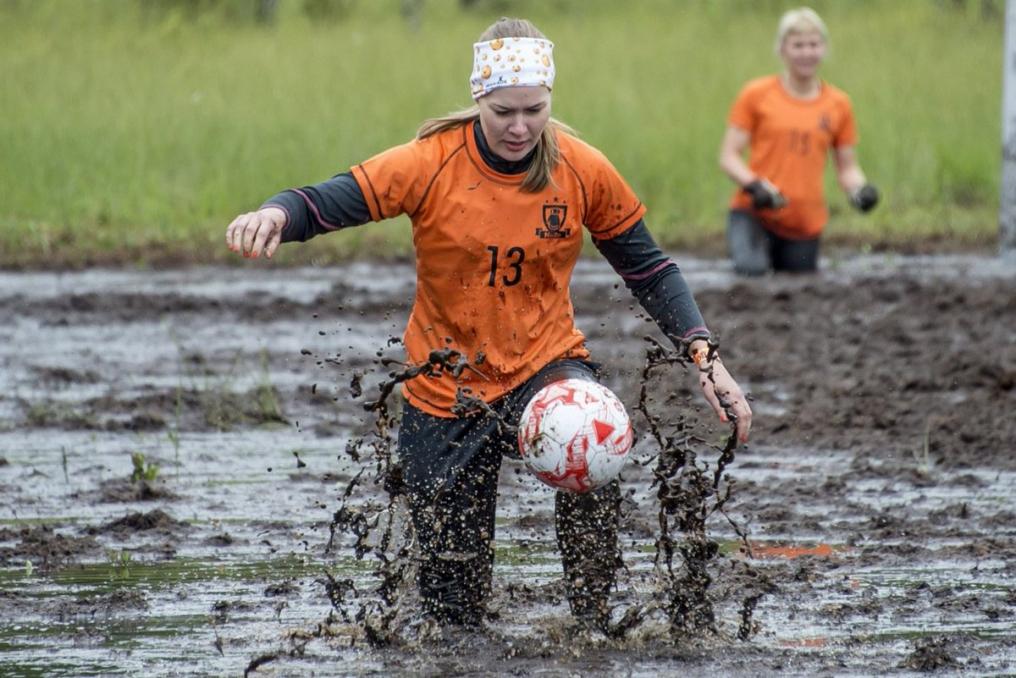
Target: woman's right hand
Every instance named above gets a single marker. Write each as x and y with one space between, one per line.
252 233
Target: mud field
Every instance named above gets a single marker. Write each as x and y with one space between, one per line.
183 455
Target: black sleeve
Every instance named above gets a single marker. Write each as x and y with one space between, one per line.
321 208
656 282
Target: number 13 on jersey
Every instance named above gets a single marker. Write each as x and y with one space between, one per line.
513 258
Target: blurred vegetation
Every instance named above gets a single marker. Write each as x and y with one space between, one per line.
134 130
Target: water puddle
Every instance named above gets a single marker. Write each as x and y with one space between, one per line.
888 538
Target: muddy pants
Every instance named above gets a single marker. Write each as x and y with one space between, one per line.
755 250
450 468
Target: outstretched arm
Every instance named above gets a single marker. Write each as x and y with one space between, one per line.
299 214
252 233
657 283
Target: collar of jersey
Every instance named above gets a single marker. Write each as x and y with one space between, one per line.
818 99
483 157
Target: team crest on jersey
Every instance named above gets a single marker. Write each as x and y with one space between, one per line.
554 216
824 124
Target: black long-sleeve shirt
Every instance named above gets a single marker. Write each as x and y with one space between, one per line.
653 278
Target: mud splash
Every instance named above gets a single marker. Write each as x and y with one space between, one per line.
876 495
688 494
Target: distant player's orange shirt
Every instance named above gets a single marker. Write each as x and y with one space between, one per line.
493 263
790 141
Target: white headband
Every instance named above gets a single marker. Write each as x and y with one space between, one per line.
511 62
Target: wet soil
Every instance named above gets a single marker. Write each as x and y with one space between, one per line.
878 492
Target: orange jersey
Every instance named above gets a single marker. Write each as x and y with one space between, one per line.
493 263
790 140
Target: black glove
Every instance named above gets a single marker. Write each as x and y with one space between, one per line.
864 198
764 195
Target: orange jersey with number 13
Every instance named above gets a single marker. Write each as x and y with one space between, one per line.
493 263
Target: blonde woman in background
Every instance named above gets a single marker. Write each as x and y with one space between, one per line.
789 123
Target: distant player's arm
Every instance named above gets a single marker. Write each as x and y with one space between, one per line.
862 195
763 193
732 148
848 170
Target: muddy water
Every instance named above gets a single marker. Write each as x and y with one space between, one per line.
879 491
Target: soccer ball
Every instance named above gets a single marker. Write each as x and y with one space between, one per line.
575 435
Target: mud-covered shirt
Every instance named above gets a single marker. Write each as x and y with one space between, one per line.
493 262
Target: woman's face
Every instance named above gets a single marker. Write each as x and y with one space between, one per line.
802 53
513 118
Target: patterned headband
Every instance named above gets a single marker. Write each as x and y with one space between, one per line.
511 62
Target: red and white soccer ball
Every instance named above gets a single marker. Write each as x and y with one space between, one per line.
575 435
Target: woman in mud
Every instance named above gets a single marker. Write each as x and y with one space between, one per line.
498 195
790 122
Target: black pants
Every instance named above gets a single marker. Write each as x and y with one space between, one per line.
756 251
451 467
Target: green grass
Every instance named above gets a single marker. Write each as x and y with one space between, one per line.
135 136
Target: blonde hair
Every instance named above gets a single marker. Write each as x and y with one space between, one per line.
548 152
800 20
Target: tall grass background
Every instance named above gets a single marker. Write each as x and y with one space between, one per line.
134 130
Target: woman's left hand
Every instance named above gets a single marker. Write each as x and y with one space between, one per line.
721 390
